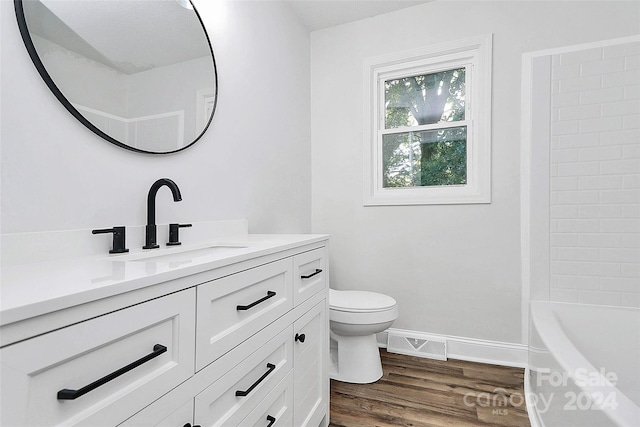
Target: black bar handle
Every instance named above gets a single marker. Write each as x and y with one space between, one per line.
271 420
318 271
300 337
243 393
270 294
67 394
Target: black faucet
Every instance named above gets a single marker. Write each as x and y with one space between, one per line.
150 242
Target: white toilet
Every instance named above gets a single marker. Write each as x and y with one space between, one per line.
355 317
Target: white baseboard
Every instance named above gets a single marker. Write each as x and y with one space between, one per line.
474 350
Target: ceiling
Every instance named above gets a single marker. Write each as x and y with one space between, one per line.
319 14
116 33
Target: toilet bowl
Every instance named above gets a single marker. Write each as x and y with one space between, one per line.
355 317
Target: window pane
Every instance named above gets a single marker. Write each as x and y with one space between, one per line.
425 99
425 158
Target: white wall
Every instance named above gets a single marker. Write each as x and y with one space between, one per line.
595 176
253 163
454 270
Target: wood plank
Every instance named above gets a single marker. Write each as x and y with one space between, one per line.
419 392
505 416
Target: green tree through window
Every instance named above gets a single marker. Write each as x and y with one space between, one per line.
425 157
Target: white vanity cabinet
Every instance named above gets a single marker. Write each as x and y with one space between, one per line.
73 361
280 370
245 344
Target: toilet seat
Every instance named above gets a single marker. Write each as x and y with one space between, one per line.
359 301
363 317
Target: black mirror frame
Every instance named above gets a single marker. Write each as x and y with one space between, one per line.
28 42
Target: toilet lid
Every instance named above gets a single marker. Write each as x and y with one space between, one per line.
359 301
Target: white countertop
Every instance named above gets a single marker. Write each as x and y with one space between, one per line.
32 289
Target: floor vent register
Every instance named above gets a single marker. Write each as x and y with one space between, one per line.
417 345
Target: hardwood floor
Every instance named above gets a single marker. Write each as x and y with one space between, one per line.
422 392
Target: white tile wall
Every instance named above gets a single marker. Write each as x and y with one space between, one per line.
595 176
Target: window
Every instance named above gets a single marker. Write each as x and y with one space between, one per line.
428 133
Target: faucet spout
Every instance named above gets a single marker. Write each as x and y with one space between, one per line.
150 241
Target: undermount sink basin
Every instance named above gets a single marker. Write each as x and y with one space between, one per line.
177 254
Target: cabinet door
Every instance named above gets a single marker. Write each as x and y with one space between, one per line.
231 398
59 377
309 367
233 308
310 274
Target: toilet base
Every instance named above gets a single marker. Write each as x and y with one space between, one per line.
355 359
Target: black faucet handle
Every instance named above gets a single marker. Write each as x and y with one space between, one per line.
119 238
174 239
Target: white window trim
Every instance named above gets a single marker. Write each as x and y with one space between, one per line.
474 52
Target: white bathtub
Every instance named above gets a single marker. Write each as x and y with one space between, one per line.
584 366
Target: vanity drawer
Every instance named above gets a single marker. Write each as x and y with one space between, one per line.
275 410
233 397
146 350
231 309
146 418
310 272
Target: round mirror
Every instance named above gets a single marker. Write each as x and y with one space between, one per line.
139 73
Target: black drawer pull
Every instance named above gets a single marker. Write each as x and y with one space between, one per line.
271 420
300 337
318 271
270 368
67 394
270 294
